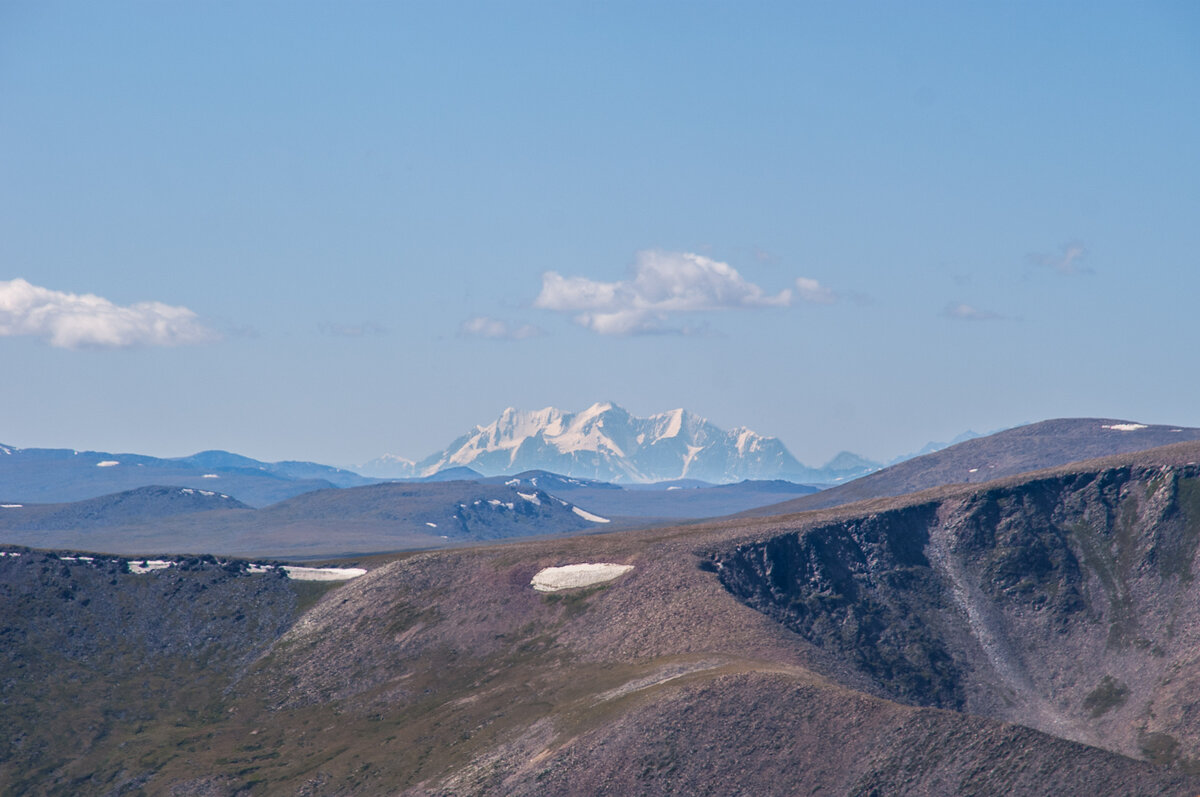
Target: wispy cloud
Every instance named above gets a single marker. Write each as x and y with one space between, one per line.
1066 261
352 330
966 312
482 326
662 284
812 291
74 321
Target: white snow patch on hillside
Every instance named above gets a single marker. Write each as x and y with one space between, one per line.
108 463
1125 427
431 525
323 573
11 506
149 565
552 579
583 513
210 476
531 498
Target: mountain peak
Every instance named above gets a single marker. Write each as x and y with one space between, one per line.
606 442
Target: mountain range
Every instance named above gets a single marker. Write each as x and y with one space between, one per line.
58 475
1033 635
606 443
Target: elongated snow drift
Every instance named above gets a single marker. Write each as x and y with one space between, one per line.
552 579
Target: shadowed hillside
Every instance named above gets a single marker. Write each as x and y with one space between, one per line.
1066 602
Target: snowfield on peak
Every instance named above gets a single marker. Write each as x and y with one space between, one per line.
607 443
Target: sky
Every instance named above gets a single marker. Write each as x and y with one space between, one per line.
329 231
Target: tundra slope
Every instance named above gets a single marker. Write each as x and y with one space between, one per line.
447 673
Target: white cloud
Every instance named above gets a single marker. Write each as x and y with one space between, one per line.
662 284
482 326
73 321
1067 261
812 291
966 312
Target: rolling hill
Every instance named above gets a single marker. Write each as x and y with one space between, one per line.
1025 448
61 475
383 517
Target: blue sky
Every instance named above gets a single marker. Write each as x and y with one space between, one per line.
332 230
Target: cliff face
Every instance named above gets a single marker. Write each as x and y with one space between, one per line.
1067 603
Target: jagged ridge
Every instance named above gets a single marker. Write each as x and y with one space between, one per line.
607 443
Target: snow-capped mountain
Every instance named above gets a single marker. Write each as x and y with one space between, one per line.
605 442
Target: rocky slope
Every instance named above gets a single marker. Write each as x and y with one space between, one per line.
1066 602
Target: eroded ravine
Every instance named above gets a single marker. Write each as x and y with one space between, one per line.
1065 603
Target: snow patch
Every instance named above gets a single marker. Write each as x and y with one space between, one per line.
1125 427
431 525
323 573
531 498
583 513
11 506
210 476
108 463
973 470
552 579
149 565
